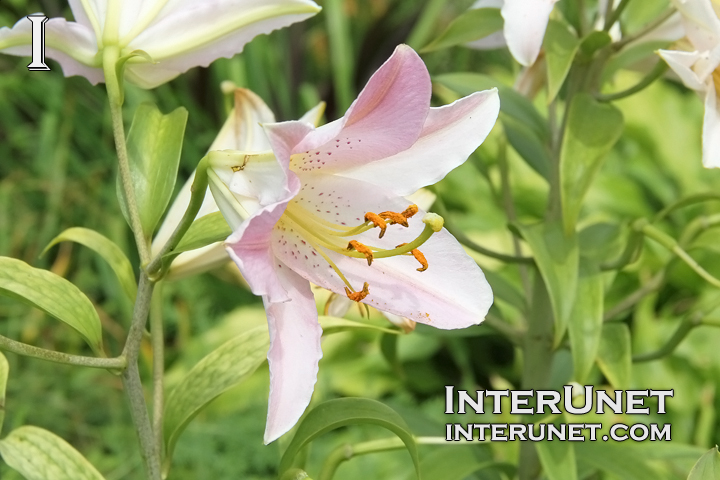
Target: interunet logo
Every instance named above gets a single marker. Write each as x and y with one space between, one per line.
38 43
545 402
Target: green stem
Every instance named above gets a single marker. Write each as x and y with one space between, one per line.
115 95
645 30
504 328
158 266
686 202
687 325
631 300
133 384
610 21
117 363
657 72
158 349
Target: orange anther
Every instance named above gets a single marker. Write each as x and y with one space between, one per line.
354 244
358 296
400 218
418 256
377 221
410 211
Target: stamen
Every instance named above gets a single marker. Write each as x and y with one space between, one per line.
358 296
355 245
400 218
410 211
418 256
377 221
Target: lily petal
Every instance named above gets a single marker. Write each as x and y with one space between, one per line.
450 134
702 25
294 354
525 25
711 131
71 44
682 63
386 118
242 130
186 34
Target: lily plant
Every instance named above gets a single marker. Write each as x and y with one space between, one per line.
327 205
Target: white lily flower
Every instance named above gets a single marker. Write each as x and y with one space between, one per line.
177 35
699 70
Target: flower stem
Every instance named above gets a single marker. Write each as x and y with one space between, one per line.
115 95
610 20
133 384
657 72
158 349
58 357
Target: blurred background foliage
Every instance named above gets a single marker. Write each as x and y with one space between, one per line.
57 170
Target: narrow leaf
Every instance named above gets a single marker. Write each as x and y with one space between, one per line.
614 355
472 25
528 145
332 325
593 128
348 411
557 459
226 367
625 462
54 295
708 467
560 46
107 249
586 320
557 259
41 455
204 231
4 371
154 144
457 462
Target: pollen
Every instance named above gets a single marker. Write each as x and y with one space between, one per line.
400 218
355 245
410 211
358 296
377 221
418 256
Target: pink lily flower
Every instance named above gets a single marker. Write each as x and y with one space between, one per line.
326 206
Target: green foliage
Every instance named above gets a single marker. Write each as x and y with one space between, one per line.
558 459
41 455
472 25
560 47
54 295
613 356
708 467
204 231
585 327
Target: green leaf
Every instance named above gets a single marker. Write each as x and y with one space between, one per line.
586 320
557 459
54 295
528 145
4 371
41 455
560 45
224 368
594 42
505 290
469 26
457 462
624 462
348 411
512 103
708 467
332 325
204 231
105 247
154 144
614 355
593 128
557 259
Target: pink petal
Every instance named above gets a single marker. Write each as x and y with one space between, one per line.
452 293
386 118
450 134
525 24
294 354
71 44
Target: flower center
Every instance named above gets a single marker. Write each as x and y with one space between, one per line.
324 235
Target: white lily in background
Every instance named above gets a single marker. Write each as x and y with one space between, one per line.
699 70
525 22
177 35
312 209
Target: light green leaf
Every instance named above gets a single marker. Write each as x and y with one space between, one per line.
528 145
457 462
708 467
348 411
224 368
614 355
593 128
586 320
469 26
105 247
512 103
154 144
332 325
41 455
624 462
594 42
54 295
557 459
560 47
204 231
4 372
557 258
